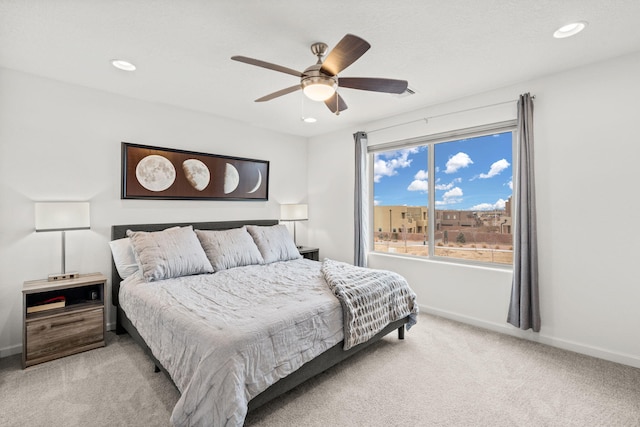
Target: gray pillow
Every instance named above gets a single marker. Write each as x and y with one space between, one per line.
274 242
169 253
229 248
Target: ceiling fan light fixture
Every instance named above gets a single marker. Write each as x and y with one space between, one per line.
319 82
319 88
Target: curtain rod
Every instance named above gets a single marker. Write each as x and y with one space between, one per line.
426 119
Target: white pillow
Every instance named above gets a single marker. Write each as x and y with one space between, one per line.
123 257
229 248
274 242
169 253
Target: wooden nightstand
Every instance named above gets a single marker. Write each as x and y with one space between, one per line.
310 253
55 332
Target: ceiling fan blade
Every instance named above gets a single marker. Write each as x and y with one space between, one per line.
373 84
345 53
278 93
267 65
336 103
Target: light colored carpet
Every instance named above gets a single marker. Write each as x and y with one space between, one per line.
443 374
110 386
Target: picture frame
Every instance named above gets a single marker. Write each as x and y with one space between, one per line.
150 172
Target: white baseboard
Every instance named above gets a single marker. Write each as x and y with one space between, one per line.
600 353
10 351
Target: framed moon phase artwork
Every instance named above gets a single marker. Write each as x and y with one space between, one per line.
165 173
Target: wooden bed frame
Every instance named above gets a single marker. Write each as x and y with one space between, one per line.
321 363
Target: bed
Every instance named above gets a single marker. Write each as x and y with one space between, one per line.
221 394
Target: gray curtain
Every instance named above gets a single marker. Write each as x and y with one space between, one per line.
361 202
524 308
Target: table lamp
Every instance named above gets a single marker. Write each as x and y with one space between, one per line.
62 216
295 213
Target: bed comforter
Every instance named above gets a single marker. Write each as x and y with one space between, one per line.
225 337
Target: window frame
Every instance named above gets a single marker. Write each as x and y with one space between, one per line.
430 142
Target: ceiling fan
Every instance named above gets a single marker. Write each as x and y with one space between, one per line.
320 81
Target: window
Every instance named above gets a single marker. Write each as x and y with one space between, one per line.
461 211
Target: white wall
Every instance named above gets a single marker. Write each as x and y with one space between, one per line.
62 142
586 151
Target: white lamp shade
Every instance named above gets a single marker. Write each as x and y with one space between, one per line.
60 216
294 212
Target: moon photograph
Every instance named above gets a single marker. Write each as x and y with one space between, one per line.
197 173
163 173
155 173
258 184
231 178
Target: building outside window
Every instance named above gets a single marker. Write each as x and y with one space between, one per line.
446 197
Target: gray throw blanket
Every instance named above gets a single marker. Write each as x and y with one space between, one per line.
371 299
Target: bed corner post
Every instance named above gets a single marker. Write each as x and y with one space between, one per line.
401 332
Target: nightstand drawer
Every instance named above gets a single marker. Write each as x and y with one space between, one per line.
64 334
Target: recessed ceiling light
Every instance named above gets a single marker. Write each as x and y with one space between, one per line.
123 65
569 29
309 119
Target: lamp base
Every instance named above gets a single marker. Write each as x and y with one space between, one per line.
63 276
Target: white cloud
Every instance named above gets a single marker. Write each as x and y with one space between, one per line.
460 160
421 182
448 186
495 169
419 185
447 202
381 168
451 197
482 207
376 202
395 160
454 192
499 205
510 184
422 174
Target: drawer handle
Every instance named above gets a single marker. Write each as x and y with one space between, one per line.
68 322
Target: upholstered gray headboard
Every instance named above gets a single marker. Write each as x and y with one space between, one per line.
120 231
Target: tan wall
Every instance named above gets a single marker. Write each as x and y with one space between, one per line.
413 219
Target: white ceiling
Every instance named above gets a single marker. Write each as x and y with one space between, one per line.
446 49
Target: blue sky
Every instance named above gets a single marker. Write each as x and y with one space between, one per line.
471 174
